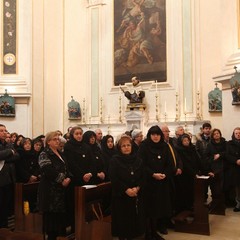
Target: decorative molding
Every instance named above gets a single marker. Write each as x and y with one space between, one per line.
224 80
14 84
94 3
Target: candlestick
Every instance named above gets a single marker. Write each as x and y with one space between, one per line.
108 124
185 125
83 112
101 107
119 90
198 106
120 109
185 105
157 118
177 110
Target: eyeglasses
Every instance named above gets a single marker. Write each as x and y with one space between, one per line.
55 139
126 145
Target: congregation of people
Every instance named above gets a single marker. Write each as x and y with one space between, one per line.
152 176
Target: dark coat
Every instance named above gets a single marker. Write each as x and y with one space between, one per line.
135 147
157 158
216 166
80 161
51 193
27 165
179 164
191 167
232 155
107 154
98 163
7 173
126 171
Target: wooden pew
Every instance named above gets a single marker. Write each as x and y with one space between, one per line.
33 221
6 234
27 226
94 229
197 221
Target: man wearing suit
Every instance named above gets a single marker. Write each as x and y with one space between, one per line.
7 178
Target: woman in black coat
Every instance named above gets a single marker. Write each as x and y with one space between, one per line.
79 158
52 188
127 177
215 157
89 137
158 164
233 158
191 169
108 150
27 167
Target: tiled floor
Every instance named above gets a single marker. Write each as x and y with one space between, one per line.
221 228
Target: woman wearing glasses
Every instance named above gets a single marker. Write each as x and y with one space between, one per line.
52 188
127 177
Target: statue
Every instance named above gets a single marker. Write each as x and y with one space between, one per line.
136 97
235 87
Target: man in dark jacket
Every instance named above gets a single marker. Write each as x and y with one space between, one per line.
203 139
7 178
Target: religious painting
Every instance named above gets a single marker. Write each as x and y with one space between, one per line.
74 110
215 100
7 105
139 40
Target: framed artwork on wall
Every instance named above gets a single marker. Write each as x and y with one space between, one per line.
139 40
7 105
215 100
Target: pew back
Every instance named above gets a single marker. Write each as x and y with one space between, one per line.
31 222
94 229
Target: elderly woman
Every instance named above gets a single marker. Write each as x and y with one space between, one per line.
191 169
216 159
52 187
127 177
158 163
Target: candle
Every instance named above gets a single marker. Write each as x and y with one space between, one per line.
165 106
185 105
119 90
156 85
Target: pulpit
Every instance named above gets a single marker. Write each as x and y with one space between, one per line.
197 221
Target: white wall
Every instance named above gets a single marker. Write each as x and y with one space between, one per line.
56 62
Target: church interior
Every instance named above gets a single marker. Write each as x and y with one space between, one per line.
62 50
59 54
